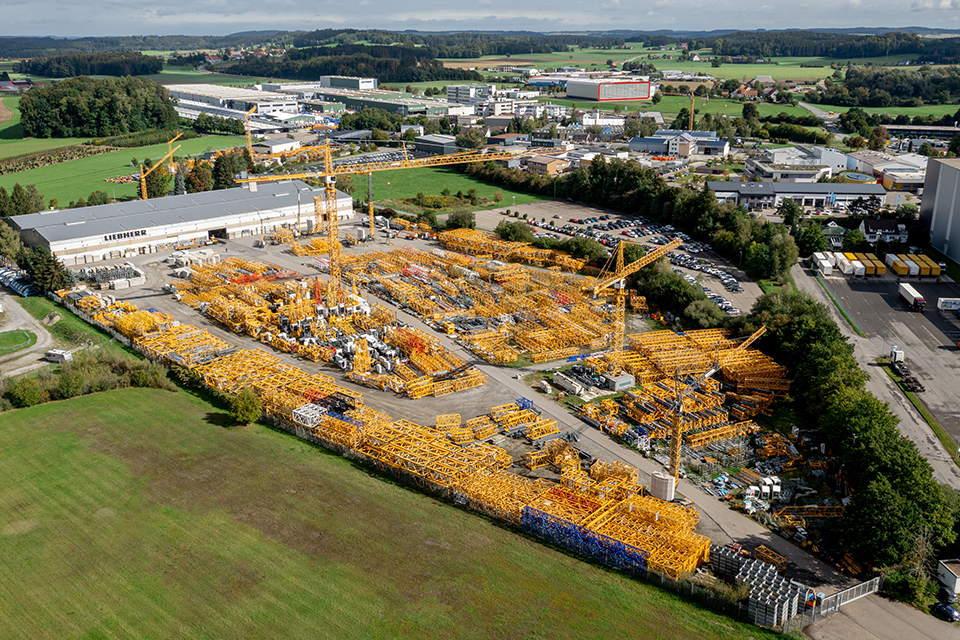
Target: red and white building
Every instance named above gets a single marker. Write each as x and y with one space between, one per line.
610 89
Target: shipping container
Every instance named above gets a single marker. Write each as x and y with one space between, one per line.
825 267
934 267
818 257
858 269
912 268
831 258
922 266
889 259
899 268
881 269
850 256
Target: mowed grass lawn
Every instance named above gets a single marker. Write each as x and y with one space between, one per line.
405 183
68 181
119 520
671 105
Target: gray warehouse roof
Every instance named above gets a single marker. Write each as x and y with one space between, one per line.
812 188
69 224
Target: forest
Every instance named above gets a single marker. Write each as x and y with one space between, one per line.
457 45
105 63
879 87
373 62
84 107
767 44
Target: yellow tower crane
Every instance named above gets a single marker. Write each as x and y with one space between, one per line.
330 171
676 423
616 280
692 100
246 130
144 174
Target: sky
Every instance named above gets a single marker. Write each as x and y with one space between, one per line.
73 18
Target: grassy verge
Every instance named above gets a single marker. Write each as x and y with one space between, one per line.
853 325
16 340
945 439
180 527
71 331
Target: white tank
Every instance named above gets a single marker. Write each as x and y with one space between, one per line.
662 486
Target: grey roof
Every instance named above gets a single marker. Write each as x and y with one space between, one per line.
743 188
881 226
436 138
812 188
712 143
68 224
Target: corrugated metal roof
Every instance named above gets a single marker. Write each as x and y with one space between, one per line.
120 217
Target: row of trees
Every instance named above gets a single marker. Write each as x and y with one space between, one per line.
205 123
20 201
84 107
895 496
106 63
766 44
764 250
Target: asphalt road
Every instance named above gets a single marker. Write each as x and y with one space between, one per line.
928 351
14 317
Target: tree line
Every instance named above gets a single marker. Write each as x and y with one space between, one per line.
820 44
101 63
409 68
457 45
82 106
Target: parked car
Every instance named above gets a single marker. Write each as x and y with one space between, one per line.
946 611
946 595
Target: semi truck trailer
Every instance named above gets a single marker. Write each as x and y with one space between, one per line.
913 299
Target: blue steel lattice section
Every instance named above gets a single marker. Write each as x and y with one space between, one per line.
589 543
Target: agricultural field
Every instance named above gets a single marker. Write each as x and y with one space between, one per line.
155 527
78 178
587 58
671 105
12 142
405 183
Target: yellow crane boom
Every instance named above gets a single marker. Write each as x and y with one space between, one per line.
144 174
246 130
676 424
617 281
330 171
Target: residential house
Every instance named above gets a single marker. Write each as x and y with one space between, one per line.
886 230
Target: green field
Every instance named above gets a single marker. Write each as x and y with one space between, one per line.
122 521
11 135
405 183
926 110
671 105
78 178
588 58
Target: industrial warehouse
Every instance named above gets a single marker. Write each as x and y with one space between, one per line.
123 229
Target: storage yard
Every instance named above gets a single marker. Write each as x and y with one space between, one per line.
393 354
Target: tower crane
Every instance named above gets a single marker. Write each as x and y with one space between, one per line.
676 424
616 280
144 174
246 130
329 172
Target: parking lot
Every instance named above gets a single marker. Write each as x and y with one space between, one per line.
929 339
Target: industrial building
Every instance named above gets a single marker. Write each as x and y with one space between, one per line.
668 142
233 98
940 207
610 89
115 231
797 164
435 144
392 101
766 195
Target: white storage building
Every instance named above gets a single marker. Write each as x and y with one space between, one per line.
115 231
610 89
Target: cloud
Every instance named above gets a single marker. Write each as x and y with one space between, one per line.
854 4
921 5
613 4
